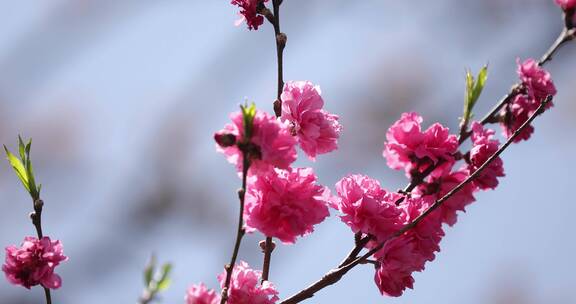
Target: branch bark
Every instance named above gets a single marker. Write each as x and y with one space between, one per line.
240 231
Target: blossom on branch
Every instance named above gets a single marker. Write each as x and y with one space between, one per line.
412 150
245 286
483 147
408 253
249 12
566 4
441 185
34 262
286 203
367 208
317 130
199 294
270 142
537 81
537 85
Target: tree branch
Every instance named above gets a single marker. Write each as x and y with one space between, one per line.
267 248
240 231
281 39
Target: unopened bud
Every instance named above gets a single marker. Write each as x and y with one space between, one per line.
225 140
263 245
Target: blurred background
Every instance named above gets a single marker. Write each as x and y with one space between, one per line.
122 97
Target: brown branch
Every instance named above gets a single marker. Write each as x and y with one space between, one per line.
335 275
281 39
267 248
240 231
36 217
359 243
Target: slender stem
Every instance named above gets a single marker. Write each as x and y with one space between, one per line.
267 249
47 295
280 39
280 45
36 217
358 246
147 297
335 275
240 231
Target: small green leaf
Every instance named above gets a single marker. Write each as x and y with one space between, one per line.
18 167
21 149
474 88
149 270
166 268
31 181
164 284
480 82
248 114
28 145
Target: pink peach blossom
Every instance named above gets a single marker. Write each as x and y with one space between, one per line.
199 294
537 81
409 148
566 4
394 273
408 253
245 287
484 146
249 12
441 185
34 263
367 208
516 114
286 203
272 142
317 130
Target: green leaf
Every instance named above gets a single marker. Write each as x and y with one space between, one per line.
164 284
21 149
149 270
31 181
166 268
18 167
248 114
474 88
480 82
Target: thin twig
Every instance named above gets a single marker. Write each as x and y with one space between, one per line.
267 249
335 275
359 244
36 218
240 231
280 45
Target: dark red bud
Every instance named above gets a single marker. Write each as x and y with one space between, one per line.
225 140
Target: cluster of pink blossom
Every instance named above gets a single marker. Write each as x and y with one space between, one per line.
409 148
281 202
249 12
286 203
379 214
34 263
536 86
370 210
316 129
